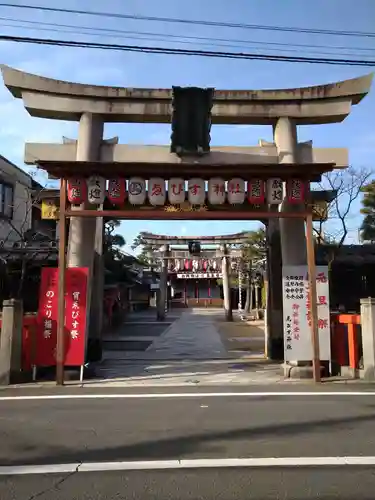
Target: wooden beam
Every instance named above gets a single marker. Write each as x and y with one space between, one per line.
187 170
313 299
60 344
196 215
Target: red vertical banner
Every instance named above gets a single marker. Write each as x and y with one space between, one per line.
46 332
75 317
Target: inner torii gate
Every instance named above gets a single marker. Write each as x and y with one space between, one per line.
164 243
283 160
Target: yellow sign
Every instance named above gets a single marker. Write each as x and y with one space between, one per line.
50 210
185 207
320 211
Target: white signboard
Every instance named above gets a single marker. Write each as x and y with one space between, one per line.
176 190
137 191
199 275
236 191
156 191
275 191
216 191
297 313
96 190
196 191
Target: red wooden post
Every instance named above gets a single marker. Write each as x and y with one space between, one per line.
352 344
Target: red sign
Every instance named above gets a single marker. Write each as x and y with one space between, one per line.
75 316
295 189
116 191
75 324
256 191
77 191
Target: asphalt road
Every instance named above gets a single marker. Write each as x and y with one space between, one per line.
239 484
64 431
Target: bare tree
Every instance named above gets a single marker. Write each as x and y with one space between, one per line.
348 184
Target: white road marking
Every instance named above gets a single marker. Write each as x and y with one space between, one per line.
203 463
187 395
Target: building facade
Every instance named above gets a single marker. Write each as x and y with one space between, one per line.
195 280
16 188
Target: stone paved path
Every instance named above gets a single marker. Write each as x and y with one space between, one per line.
189 352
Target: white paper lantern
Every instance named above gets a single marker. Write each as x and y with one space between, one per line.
137 191
236 191
216 191
176 190
196 190
156 191
275 191
95 190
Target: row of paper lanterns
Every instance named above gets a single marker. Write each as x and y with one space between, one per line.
193 265
235 191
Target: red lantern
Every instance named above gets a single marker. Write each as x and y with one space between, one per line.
77 190
255 191
116 191
188 264
295 190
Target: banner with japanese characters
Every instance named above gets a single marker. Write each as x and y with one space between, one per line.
297 313
75 317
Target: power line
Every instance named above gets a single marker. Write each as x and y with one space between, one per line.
162 38
221 24
176 37
201 53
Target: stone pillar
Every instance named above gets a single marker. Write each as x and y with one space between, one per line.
292 231
368 337
11 340
162 292
287 241
82 231
85 244
226 285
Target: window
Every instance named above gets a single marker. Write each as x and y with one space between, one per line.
6 200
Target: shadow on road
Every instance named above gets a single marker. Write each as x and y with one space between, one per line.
179 446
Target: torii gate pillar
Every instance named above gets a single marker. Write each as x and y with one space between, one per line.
85 244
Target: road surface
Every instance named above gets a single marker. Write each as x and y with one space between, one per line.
288 442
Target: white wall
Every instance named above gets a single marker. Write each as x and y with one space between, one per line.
22 186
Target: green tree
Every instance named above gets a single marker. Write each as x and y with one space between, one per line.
112 243
368 210
147 254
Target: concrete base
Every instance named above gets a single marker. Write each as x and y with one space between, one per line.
300 372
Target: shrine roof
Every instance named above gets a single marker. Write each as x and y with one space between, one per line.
235 238
187 170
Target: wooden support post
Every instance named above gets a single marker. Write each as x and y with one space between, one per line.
353 347
60 354
313 301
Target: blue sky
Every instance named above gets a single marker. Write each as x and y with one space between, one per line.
146 70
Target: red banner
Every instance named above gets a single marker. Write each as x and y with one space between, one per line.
75 317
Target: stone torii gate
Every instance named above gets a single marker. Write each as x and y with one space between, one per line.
165 242
92 106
